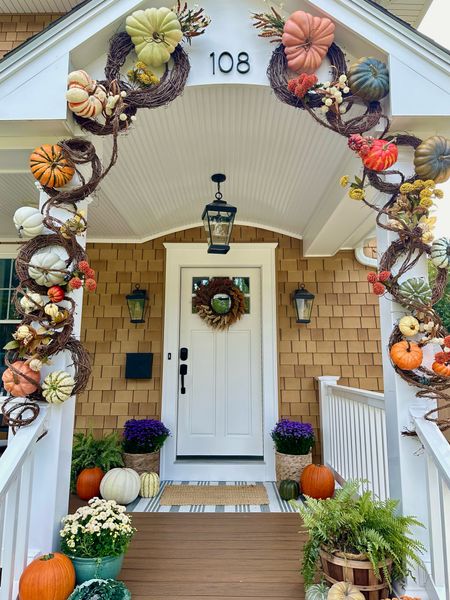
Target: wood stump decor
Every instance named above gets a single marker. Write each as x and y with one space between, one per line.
290 466
219 303
142 463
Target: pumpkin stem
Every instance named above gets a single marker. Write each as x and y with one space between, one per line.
47 556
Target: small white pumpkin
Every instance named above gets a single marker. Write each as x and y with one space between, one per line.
81 79
28 222
440 253
155 33
409 325
121 485
47 268
317 591
343 590
29 302
149 485
57 387
84 103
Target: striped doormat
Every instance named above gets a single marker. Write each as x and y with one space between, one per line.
222 495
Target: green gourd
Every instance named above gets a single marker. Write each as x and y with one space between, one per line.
432 159
440 253
149 485
289 489
368 78
317 591
416 290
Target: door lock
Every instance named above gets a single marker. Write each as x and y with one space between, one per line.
183 372
183 353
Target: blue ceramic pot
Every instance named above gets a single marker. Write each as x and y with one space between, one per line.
107 567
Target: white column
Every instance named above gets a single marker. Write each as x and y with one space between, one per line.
324 381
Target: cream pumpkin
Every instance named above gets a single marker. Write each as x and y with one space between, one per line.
121 485
155 33
343 590
409 325
47 268
32 301
57 387
28 222
149 485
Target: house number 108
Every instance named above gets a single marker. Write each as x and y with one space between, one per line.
225 62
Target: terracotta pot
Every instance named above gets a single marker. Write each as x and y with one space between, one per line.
290 466
142 463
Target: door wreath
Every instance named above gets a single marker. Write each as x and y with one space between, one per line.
219 303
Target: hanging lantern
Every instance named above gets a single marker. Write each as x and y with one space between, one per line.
303 304
218 218
137 304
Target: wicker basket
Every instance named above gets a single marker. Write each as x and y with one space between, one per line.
290 466
142 463
355 569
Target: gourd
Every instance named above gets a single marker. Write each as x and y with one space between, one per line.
416 290
101 589
88 483
381 155
57 387
409 325
441 369
440 253
406 355
344 590
306 40
48 577
289 489
432 159
50 166
120 484
15 384
317 591
55 293
317 481
28 222
85 98
149 485
47 268
31 302
155 33
368 78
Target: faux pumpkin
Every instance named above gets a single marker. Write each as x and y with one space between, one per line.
289 489
120 484
55 293
344 590
416 289
317 591
47 268
432 159
306 40
442 369
317 481
50 167
49 577
31 302
149 485
28 222
440 253
381 155
409 325
155 33
368 78
57 387
15 384
88 483
84 97
406 355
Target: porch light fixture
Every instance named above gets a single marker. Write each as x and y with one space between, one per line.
303 303
137 304
218 218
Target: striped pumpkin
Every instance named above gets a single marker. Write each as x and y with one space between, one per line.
382 155
149 485
50 167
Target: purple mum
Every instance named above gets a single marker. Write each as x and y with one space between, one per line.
293 437
144 435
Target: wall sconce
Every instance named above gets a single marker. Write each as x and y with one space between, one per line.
303 303
137 304
218 218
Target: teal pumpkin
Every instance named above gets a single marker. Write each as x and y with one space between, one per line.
440 253
289 489
432 159
317 591
416 290
368 78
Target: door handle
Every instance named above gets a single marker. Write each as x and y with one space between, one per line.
183 372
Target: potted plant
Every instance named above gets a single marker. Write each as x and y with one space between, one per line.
293 444
95 538
358 538
142 441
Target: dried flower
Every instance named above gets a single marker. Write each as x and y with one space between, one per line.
83 265
378 288
372 277
406 188
438 193
447 341
344 181
301 85
75 283
356 194
90 285
384 276
441 357
90 273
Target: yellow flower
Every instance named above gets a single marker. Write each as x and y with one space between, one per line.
406 188
427 223
429 183
426 202
418 184
343 181
439 193
426 193
356 194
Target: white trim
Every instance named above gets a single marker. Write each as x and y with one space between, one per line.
363 259
9 250
180 255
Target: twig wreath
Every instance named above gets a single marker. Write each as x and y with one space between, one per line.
303 42
52 264
219 303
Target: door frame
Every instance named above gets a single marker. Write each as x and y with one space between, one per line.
241 255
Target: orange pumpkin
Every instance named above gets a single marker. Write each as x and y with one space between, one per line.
406 355
49 577
88 483
381 155
441 369
50 167
317 481
306 40
15 384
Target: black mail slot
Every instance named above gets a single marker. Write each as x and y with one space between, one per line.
138 365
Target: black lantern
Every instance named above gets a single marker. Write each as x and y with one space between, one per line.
218 218
137 304
303 303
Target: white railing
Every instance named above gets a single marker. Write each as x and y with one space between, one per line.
17 477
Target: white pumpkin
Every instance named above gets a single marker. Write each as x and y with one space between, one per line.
84 103
28 222
81 79
121 485
149 485
29 302
344 590
409 325
47 268
57 387
440 253
155 33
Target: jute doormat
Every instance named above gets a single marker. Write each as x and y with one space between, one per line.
222 495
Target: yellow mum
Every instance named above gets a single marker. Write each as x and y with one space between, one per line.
356 194
343 181
418 184
406 188
429 183
426 202
439 193
426 193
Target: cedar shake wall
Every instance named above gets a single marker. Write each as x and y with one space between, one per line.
343 337
16 28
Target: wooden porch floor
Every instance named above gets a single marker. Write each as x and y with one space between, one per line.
215 557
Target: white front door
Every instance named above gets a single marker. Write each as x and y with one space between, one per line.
221 407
